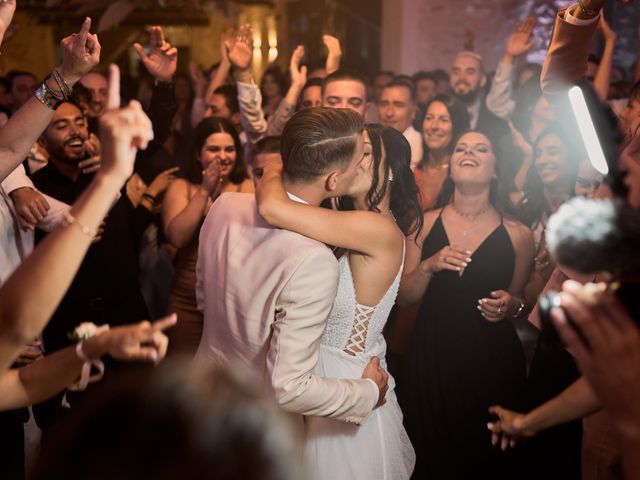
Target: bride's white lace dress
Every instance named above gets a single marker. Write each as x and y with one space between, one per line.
380 447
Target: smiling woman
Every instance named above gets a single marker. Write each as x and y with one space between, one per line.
468 267
216 166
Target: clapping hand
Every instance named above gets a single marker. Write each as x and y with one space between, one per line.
122 131
520 41
80 53
298 74
162 60
211 179
334 53
240 48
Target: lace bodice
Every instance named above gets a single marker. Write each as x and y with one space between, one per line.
352 327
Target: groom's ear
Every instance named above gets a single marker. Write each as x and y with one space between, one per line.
331 181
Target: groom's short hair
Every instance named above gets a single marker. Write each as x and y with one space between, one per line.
318 140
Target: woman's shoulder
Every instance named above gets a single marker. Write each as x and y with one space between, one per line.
520 234
246 186
179 186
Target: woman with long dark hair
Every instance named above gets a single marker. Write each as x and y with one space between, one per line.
216 166
444 121
385 199
469 266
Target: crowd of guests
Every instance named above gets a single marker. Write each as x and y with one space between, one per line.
106 183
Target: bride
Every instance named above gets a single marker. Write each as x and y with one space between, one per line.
386 208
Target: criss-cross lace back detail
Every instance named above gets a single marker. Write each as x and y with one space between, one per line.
353 328
358 339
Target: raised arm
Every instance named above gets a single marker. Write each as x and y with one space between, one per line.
80 53
46 377
566 61
287 106
500 98
219 77
365 232
334 53
602 81
48 271
7 9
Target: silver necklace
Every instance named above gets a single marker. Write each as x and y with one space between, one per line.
472 216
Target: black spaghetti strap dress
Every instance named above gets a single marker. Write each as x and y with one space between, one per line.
459 364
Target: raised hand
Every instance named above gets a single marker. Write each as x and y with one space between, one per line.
80 53
240 49
334 54
375 372
122 131
162 181
211 179
520 41
298 74
198 80
608 34
31 207
7 9
162 60
520 142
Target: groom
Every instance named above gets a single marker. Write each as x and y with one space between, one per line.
266 293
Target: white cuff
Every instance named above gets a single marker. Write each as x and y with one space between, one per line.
579 22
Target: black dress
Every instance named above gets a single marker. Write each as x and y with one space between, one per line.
459 364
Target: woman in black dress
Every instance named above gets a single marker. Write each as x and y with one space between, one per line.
469 265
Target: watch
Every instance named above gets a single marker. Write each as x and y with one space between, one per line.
47 97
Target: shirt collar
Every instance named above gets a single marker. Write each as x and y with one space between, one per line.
296 199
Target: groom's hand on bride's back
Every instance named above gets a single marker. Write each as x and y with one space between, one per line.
376 373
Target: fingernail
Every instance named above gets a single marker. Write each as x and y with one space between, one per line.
479 308
465 264
469 259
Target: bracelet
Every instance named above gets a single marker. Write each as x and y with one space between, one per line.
85 331
520 308
586 11
47 97
149 198
71 220
64 88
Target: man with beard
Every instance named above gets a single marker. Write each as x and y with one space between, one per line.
468 81
105 289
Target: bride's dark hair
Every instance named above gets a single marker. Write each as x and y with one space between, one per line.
397 175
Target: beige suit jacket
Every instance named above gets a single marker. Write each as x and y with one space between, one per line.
266 294
566 61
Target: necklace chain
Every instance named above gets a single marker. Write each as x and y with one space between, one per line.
472 216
